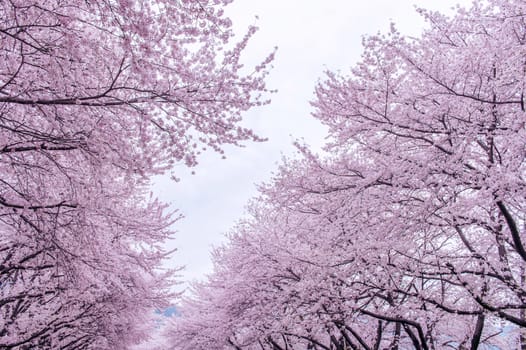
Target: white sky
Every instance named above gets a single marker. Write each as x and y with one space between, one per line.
312 36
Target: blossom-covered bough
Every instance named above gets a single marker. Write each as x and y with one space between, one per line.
411 233
96 97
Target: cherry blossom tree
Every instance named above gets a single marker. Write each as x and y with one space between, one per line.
301 275
411 233
440 120
96 97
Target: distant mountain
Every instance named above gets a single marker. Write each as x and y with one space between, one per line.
170 311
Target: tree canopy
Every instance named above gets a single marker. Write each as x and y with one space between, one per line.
409 231
96 97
